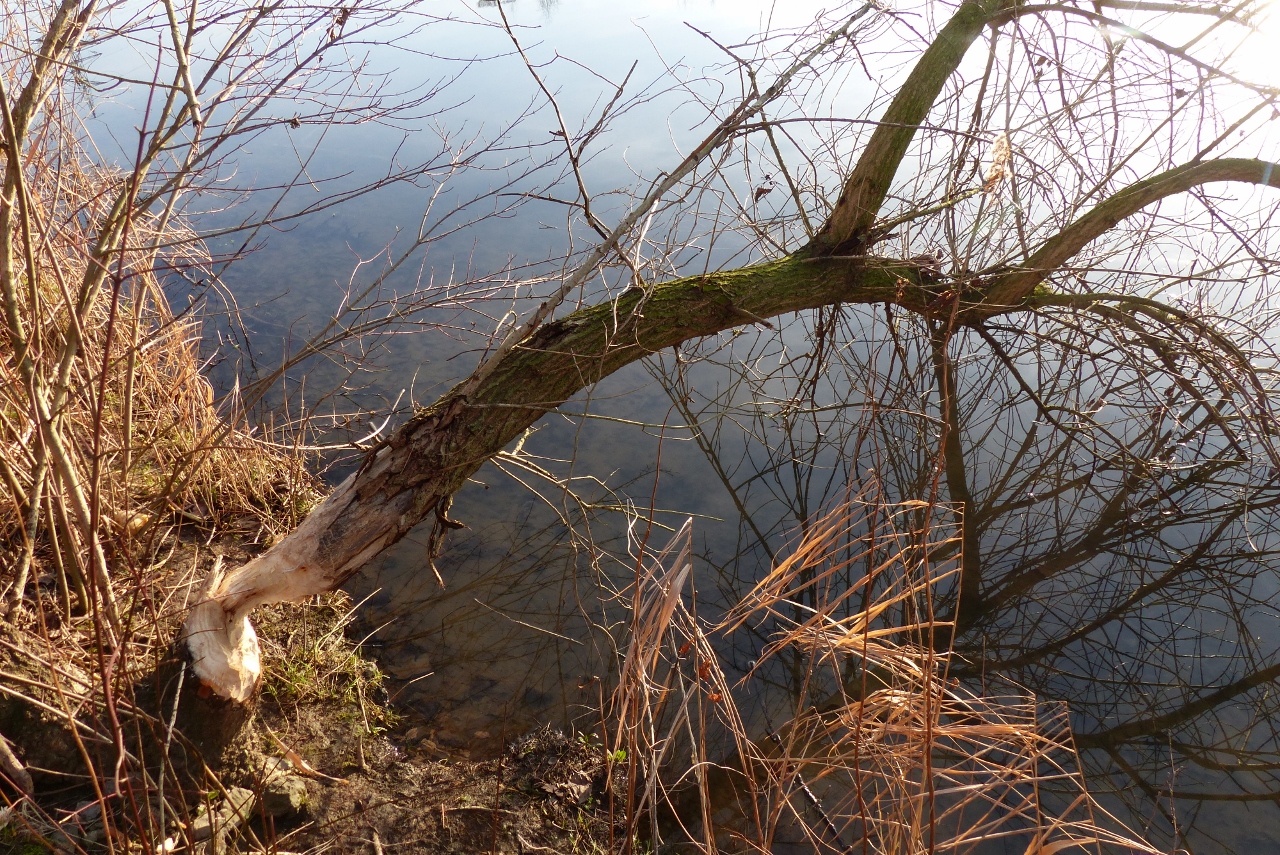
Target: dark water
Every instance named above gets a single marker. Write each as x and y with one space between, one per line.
525 629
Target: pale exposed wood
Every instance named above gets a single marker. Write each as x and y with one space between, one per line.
421 466
219 637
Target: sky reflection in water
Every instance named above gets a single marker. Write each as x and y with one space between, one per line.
521 631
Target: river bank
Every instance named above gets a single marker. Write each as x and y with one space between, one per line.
327 763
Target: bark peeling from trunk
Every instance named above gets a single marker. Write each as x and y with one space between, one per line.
427 460
218 635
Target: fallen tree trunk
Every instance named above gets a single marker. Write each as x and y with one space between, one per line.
416 471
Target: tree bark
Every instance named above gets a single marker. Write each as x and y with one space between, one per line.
415 473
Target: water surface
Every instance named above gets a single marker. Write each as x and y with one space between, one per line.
525 628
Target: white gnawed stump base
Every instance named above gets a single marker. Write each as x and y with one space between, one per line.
218 635
218 649
224 651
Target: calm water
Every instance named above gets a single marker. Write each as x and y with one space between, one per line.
530 613
521 623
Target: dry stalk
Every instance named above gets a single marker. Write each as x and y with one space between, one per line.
110 441
109 411
883 752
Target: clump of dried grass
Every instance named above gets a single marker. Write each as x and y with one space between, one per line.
109 432
882 752
117 467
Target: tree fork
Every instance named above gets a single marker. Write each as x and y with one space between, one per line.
419 468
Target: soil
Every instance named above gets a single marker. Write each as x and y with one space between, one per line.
547 794
325 764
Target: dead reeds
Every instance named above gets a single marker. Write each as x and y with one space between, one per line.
109 432
878 751
117 465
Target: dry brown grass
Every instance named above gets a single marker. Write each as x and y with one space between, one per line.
110 435
118 468
882 753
